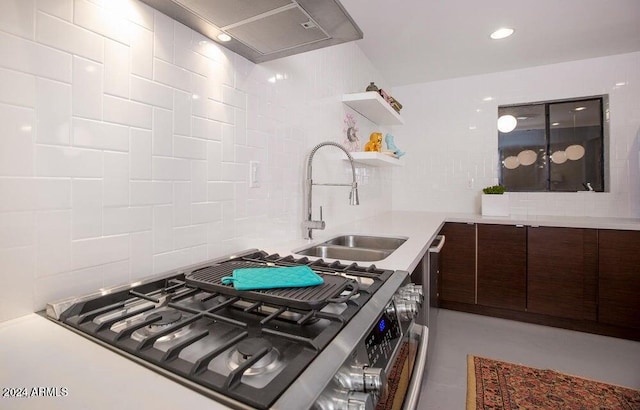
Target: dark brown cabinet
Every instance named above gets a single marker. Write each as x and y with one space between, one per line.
458 263
562 272
619 278
502 266
573 278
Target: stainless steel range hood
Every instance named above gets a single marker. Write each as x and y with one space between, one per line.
263 30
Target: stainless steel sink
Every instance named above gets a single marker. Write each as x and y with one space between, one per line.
359 248
369 242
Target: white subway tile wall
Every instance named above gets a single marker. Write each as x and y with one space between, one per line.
453 129
126 139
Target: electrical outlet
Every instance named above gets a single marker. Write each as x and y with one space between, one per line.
254 174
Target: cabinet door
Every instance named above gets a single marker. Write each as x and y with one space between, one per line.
562 272
619 278
457 263
502 266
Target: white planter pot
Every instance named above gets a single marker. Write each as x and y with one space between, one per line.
495 205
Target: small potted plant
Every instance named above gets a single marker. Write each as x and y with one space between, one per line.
494 202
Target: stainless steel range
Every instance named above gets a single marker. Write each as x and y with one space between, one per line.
350 343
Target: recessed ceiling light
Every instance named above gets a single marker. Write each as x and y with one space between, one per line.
501 33
487 99
224 37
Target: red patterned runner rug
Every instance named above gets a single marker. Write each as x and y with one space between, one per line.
492 384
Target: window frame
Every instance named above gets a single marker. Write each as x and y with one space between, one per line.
603 137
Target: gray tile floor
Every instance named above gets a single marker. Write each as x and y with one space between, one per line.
459 334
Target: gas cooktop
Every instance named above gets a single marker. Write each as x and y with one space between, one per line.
235 346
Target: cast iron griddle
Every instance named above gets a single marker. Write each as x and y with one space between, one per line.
312 297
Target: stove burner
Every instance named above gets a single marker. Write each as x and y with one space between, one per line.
248 348
167 317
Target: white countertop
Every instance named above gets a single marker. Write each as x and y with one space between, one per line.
34 352
547 220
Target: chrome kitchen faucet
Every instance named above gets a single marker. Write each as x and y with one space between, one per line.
309 224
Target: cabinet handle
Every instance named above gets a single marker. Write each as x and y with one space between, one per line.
439 246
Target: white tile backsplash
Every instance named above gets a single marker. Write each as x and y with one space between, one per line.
59 8
141 52
126 112
102 21
150 92
53 242
171 75
18 269
140 154
34 58
18 229
99 251
18 194
126 143
17 17
87 89
52 161
182 112
141 193
65 36
87 208
115 179
116 68
53 107
17 130
99 135
444 155
17 88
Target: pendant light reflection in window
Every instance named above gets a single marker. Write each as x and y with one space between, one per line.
507 123
572 152
526 157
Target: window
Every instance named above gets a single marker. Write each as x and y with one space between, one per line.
555 146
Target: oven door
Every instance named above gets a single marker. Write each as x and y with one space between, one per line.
405 377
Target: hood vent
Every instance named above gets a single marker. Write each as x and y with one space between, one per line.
263 30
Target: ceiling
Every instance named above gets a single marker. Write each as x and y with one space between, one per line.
414 41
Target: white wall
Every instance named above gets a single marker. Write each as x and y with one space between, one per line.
125 142
451 138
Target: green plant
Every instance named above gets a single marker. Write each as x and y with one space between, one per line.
495 190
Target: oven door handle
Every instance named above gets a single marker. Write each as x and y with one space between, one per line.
413 392
439 246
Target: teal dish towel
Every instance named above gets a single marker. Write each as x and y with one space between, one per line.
273 278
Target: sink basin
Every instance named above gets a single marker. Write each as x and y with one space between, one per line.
359 248
369 242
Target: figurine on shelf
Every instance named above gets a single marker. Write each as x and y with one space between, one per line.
372 87
391 146
352 142
375 142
